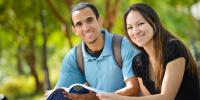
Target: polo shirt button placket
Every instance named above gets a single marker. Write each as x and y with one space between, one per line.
98 66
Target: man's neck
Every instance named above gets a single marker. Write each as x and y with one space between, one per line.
93 54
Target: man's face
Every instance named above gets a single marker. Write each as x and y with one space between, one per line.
86 25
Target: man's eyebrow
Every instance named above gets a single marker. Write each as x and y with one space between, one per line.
79 22
90 18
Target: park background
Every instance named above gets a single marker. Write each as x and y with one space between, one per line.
35 35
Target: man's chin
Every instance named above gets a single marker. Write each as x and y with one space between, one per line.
92 42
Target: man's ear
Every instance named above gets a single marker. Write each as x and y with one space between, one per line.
74 30
100 20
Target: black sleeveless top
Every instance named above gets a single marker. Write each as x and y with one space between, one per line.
189 89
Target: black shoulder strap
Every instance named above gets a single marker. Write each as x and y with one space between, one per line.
116 45
79 58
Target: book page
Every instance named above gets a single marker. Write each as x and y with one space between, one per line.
82 89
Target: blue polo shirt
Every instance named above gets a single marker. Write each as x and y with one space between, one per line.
102 73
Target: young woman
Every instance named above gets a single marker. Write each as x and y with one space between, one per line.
165 68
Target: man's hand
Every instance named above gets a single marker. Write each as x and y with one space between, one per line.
89 96
57 94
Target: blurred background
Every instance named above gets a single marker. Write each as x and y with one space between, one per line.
35 35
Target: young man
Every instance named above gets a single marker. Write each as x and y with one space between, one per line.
100 68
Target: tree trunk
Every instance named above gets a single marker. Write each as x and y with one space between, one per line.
111 12
62 20
65 29
0 49
30 57
47 84
19 64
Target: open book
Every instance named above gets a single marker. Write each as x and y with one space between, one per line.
77 89
81 89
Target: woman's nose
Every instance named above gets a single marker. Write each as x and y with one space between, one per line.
135 31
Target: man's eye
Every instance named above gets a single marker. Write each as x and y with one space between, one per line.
78 24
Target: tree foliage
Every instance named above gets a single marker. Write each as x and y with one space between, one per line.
22 41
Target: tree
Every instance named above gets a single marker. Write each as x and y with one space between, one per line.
111 13
47 84
61 18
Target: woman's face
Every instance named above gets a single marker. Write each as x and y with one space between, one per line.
139 30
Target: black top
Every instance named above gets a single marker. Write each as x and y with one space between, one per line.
189 89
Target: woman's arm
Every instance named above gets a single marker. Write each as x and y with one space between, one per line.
131 89
171 82
170 85
143 89
173 77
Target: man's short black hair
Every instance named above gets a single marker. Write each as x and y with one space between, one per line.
83 5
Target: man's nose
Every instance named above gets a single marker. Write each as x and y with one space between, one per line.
86 27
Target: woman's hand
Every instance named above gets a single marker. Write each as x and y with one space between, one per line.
109 96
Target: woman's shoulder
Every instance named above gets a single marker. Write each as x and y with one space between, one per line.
174 49
173 43
139 64
141 56
141 59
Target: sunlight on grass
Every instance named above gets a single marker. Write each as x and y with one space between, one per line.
18 87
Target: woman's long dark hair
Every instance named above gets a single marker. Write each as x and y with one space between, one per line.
160 37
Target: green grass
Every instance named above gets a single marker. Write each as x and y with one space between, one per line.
20 88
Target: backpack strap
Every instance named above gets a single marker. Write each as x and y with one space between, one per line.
116 45
79 58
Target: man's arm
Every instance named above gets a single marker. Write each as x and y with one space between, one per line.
131 89
70 73
128 52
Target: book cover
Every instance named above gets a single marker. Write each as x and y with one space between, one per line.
75 88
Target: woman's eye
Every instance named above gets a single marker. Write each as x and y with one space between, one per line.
129 27
140 23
